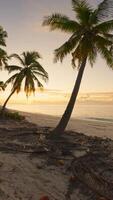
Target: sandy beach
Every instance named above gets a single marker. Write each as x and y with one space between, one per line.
91 128
30 170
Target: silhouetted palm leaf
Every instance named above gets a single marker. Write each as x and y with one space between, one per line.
3 54
86 30
2 86
30 67
29 71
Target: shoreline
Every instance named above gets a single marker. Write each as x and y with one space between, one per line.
90 128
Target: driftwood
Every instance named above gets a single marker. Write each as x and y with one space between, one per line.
91 179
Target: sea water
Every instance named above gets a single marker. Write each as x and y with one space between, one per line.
98 112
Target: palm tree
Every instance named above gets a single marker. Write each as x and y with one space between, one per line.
90 35
3 54
2 86
29 70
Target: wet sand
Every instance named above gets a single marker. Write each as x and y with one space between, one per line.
91 128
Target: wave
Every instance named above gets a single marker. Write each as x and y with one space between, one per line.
109 120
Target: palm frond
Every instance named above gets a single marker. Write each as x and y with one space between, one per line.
82 10
18 82
61 22
2 86
41 75
29 85
39 84
11 79
30 56
103 41
76 57
3 35
13 68
93 18
38 67
67 47
108 36
18 58
104 27
105 53
105 10
92 55
3 58
78 54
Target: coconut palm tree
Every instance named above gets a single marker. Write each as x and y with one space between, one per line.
28 72
3 54
2 86
90 34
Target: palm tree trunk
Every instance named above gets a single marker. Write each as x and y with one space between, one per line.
4 105
67 114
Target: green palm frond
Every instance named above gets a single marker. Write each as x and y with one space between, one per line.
107 56
82 10
105 10
3 58
13 68
30 70
103 41
61 22
3 36
93 19
2 86
3 54
92 33
41 75
81 51
76 56
11 79
104 27
29 84
18 82
14 55
30 57
66 48
39 84
92 55
36 66
108 36
105 52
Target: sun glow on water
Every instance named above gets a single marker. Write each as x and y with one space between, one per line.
56 97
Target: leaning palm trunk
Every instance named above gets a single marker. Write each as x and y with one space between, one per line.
4 105
67 114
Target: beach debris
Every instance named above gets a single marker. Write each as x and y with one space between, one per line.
60 162
72 178
44 198
1 164
92 180
102 198
41 138
79 153
60 157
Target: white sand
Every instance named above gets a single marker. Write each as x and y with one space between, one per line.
93 128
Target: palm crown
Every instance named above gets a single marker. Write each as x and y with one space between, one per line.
29 70
91 32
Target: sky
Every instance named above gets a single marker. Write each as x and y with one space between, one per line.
22 19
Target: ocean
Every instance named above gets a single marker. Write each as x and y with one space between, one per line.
95 112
